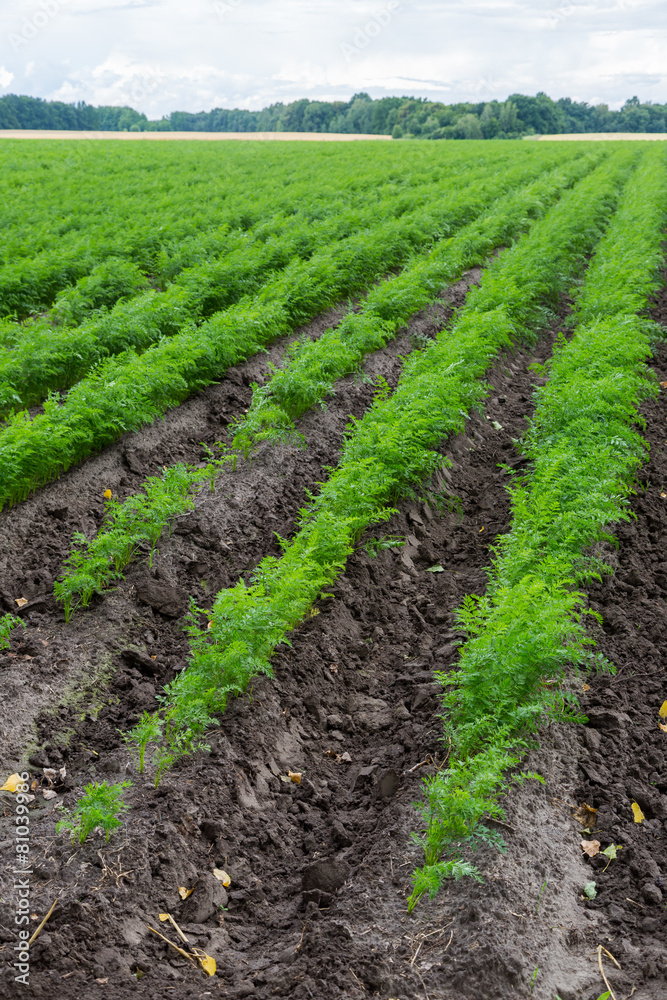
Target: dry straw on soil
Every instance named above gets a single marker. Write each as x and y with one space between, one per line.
280 136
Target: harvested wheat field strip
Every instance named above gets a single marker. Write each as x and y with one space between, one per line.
194 136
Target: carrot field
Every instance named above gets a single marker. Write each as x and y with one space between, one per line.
332 579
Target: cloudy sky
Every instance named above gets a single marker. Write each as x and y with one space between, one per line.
164 55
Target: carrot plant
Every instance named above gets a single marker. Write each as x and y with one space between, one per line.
7 624
389 452
585 449
101 806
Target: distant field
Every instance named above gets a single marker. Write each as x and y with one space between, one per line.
199 136
599 136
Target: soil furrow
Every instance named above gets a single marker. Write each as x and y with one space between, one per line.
320 869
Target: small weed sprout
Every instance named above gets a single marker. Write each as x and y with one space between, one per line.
99 806
376 545
7 624
539 898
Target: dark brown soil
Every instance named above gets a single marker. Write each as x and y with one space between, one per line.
320 870
624 753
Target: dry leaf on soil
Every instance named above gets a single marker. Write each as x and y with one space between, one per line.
207 963
586 687
591 847
12 783
663 710
586 815
222 876
663 727
637 813
184 893
295 776
20 601
48 793
340 758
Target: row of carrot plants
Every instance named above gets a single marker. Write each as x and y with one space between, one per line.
127 391
387 453
45 359
136 202
585 449
94 564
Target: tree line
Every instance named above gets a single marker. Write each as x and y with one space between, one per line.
401 117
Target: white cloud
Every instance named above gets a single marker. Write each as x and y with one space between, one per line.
5 78
164 55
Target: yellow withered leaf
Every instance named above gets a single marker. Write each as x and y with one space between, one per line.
184 893
208 964
107 494
164 916
637 813
20 601
222 876
586 687
661 726
12 783
663 710
295 776
590 847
